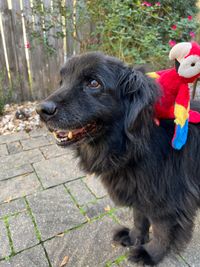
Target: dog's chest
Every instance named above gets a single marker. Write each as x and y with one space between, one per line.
121 188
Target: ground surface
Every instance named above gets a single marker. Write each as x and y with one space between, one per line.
19 117
51 214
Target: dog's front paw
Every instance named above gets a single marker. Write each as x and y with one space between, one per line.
140 254
122 237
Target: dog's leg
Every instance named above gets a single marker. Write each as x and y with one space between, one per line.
152 252
140 231
182 232
136 236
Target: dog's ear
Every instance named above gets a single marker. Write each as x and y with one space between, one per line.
139 93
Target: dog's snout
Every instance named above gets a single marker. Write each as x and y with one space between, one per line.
46 109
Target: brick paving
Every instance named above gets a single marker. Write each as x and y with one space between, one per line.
52 214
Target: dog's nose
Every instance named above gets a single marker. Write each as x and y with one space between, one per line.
46 109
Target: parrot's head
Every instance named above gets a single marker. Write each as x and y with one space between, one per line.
187 59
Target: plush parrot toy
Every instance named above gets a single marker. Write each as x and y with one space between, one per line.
175 100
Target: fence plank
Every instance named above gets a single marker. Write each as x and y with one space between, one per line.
56 59
11 49
19 44
76 34
69 28
59 42
36 52
51 60
4 81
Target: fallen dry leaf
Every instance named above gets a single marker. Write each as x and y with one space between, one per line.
64 261
8 200
107 208
60 235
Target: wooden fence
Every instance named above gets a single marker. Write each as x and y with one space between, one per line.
28 70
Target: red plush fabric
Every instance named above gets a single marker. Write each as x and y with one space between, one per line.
174 90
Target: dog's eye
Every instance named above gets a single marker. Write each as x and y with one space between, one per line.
93 84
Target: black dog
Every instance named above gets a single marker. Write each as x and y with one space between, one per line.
105 111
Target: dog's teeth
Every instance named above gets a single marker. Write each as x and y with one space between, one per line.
64 139
58 139
70 135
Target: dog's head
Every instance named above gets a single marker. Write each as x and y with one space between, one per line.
96 93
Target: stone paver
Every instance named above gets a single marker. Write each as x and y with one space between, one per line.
3 150
80 192
22 232
125 216
95 186
12 207
51 138
13 137
9 171
173 261
57 170
34 142
14 147
21 158
53 151
19 186
39 132
4 242
54 211
191 254
34 257
99 207
88 246
170 261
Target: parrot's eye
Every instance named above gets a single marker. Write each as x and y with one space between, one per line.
193 64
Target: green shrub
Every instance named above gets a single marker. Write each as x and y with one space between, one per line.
141 32
182 8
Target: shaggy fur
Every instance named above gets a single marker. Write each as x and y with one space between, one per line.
131 154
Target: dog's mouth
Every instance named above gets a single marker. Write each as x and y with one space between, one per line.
68 137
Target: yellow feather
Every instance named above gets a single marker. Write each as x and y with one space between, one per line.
181 114
153 75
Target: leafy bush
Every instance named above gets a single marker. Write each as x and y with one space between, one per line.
141 32
182 8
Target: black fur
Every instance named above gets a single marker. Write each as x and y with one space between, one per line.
131 154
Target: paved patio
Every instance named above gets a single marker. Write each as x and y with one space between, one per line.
51 214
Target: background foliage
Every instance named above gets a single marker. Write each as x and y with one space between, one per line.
142 32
